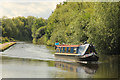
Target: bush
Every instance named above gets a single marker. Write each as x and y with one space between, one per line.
34 41
12 39
49 43
4 39
42 40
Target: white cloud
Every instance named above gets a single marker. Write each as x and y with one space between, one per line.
39 9
32 0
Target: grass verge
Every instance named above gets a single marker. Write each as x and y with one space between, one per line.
5 46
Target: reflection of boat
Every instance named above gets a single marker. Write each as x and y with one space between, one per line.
77 67
84 52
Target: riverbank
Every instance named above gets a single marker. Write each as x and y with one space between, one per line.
5 46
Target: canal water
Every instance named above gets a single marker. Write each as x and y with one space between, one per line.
27 60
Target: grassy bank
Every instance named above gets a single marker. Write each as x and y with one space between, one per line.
5 46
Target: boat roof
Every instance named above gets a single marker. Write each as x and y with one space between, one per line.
68 45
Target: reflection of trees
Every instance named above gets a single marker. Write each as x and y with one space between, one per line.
108 68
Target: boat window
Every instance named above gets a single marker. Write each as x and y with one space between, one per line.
61 49
57 50
75 50
69 49
72 49
65 49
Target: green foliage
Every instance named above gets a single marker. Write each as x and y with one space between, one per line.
68 23
38 29
21 28
76 22
42 40
4 39
12 39
0 31
34 40
103 29
71 23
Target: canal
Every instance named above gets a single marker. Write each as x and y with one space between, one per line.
27 60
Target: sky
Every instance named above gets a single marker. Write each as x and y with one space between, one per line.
37 8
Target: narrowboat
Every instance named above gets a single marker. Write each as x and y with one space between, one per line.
85 52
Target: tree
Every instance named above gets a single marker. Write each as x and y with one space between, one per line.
103 30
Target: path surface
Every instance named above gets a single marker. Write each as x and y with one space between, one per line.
6 45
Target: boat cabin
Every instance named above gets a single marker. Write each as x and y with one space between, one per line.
75 49
67 49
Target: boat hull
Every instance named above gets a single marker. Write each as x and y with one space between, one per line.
78 58
89 58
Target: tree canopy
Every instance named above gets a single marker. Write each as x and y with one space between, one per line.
71 23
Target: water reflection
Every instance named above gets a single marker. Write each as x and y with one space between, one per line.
80 69
22 68
25 60
108 67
